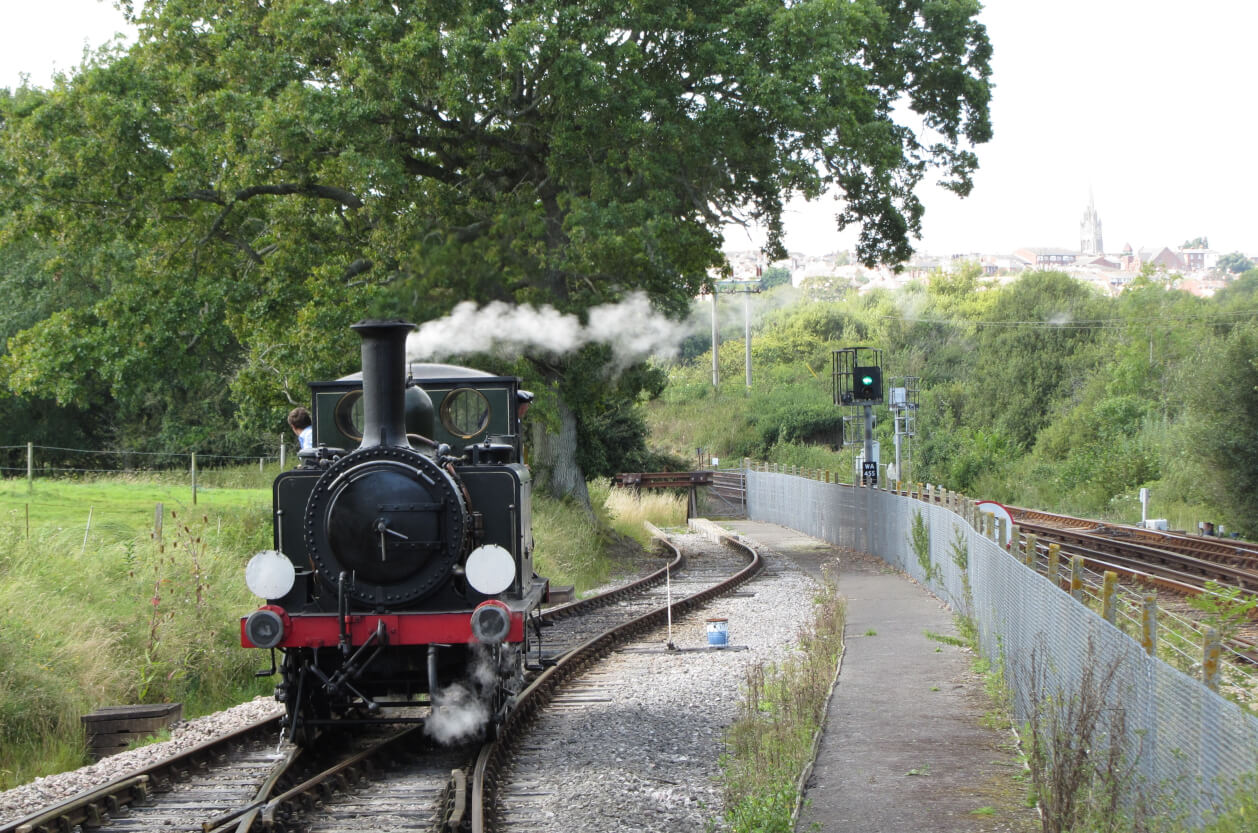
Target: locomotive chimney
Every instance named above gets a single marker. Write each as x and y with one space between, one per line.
384 381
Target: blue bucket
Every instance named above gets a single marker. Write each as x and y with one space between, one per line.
718 632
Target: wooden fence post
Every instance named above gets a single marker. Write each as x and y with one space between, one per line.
30 467
194 478
1054 564
1029 552
1210 652
1076 578
1149 625
283 452
1109 597
158 512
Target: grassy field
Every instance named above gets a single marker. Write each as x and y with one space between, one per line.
104 613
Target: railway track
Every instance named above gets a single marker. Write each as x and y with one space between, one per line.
1180 563
210 777
1192 556
493 765
249 781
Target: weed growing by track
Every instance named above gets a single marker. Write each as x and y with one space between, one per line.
627 511
771 741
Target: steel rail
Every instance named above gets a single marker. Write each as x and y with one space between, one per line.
582 606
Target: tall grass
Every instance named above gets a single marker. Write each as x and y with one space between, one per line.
568 544
586 551
627 511
770 742
109 614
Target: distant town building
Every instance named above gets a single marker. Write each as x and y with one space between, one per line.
1198 260
1163 258
1090 242
1046 258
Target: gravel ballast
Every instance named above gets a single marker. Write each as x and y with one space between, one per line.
636 745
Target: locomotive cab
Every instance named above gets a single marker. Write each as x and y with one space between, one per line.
408 534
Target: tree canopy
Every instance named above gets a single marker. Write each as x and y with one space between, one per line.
1235 262
249 177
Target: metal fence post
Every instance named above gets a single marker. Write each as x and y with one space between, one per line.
1149 625
1109 597
283 452
1076 578
1211 649
30 467
1054 564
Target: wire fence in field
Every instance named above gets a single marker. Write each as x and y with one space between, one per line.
30 460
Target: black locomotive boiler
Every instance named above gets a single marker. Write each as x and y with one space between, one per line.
402 568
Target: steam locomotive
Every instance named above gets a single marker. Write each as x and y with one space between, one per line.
402 570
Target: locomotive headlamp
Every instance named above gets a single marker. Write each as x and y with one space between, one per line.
269 575
265 628
490 569
491 622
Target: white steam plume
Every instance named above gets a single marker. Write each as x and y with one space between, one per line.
631 328
458 715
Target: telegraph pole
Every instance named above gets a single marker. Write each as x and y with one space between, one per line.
747 330
716 370
745 287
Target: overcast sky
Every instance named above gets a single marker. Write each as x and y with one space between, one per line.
1148 103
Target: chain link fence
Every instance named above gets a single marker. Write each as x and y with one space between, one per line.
1186 743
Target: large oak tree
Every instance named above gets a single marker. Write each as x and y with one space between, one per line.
263 172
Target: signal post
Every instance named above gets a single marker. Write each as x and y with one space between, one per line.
857 378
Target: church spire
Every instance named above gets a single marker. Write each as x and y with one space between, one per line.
1090 242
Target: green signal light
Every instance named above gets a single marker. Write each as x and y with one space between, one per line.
867 380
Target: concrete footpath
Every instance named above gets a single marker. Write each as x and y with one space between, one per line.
906 746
